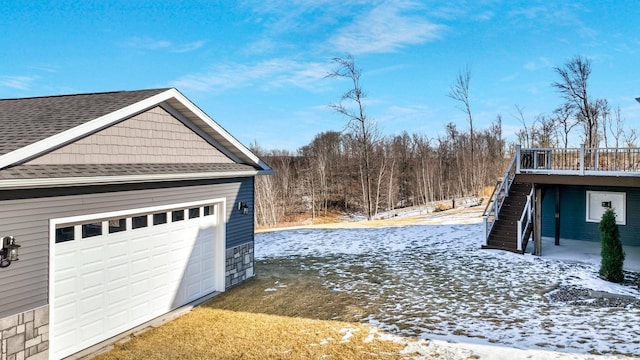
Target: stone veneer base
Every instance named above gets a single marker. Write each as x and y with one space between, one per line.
25 336
239 264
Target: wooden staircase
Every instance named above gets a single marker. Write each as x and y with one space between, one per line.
504 232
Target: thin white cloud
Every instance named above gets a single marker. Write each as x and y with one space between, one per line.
45 68
386 28
146 43
265 75
183 48
17 82
557 14
539 63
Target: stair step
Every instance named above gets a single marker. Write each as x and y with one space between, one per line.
504 233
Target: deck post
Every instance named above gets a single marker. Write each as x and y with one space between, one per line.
486 235
537 222
581 159
518 158
557 216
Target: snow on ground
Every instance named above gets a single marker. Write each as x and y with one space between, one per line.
433 282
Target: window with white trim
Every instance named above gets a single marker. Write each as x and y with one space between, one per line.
599 201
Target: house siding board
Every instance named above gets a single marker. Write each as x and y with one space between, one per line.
573 224
240 228
33 267
154 136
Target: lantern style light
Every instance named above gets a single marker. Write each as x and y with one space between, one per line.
9 251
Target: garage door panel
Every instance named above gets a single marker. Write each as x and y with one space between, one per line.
109 283
117 273
92 279
65 313
66 287
90 254
117 250
116 295
91 332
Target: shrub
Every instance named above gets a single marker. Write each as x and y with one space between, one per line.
612 253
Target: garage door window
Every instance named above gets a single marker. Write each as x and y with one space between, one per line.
139 221
160 218
194 213
64 234
117 225
208 210
91 230
177 215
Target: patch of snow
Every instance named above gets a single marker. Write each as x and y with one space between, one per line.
270 289
348 333
433 283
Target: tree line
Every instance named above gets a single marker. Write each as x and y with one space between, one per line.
359 170
405 170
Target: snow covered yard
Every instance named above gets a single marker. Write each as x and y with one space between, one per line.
433 282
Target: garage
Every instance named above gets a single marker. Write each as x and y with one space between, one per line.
125 205
114 271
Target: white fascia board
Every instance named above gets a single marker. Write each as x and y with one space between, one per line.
81 130
220 130
15 184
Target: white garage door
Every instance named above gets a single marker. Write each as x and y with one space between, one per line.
112 273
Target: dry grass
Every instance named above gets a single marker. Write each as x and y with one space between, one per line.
292 220
209 333
296 319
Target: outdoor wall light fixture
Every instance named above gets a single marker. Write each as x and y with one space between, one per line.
242 206
9 251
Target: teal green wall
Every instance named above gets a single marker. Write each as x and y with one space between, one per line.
573 210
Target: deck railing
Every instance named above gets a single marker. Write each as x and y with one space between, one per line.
525 221
495 203
578 161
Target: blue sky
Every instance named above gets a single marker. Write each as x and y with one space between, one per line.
258 67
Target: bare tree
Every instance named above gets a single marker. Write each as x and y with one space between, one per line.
605 115
617 126
630 138
573 86
563 117
526 134
459 91
545 128
362 128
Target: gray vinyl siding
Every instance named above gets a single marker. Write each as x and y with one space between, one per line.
573 207
25 282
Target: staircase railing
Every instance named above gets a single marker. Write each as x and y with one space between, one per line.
525 220
490 199
499 195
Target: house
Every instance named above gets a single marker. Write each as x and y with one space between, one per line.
124 205
562 193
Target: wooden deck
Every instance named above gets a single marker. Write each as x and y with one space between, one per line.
508 219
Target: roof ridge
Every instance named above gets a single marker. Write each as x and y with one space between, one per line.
85 94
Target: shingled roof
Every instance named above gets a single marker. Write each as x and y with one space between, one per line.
31 127
28 120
